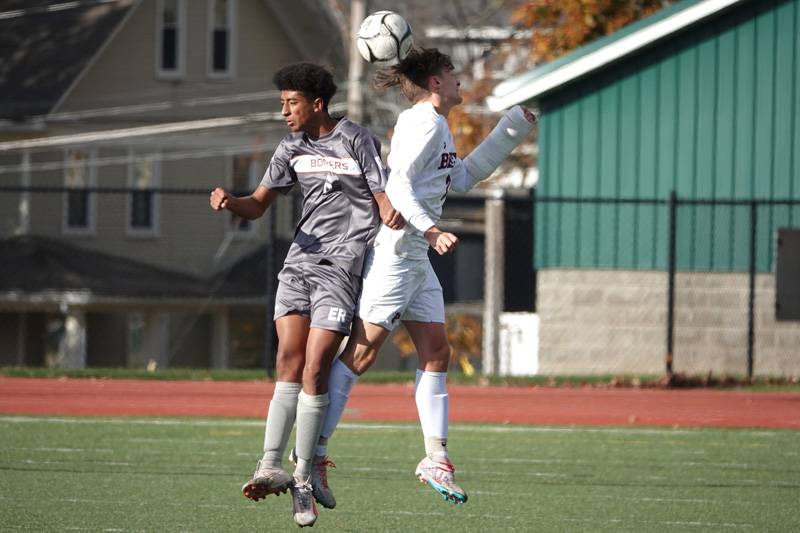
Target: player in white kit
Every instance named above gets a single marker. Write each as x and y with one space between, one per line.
399 284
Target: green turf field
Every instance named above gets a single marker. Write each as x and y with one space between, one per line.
184 475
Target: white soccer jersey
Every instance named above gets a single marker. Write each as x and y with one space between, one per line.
399 282
423 167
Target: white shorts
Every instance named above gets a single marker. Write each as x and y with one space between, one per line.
398 288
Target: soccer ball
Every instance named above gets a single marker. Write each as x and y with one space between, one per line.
384 37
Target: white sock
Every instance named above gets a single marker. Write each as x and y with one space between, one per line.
280 420
340 384
416 379
310 414
432 406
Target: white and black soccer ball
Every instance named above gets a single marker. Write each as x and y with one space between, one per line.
384 37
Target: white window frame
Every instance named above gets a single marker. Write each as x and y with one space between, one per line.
180 53
154 230
91 204
253 179
230 73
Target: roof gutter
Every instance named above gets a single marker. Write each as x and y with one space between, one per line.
518 91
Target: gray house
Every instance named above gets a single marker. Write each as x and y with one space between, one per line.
117 117
701 100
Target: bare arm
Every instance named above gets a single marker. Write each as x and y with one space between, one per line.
250 207
389 215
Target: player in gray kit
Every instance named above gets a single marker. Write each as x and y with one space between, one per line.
337 164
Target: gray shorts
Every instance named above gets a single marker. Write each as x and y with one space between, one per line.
324 292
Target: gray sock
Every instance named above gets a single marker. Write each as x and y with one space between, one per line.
280 420
310 415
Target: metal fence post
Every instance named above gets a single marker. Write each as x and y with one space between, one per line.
673 209
270 337
752 289
494 282
533 250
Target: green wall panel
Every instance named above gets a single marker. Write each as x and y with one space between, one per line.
711 113
794 154
589 247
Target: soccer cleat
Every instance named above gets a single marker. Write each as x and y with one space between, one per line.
319 479
441 477
266 481
303 506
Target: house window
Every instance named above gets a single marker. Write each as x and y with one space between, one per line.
221 28
171 36
244 179
143 202
78 201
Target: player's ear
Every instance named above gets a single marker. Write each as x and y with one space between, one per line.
318 104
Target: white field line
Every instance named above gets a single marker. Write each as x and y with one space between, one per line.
644 524
138 503
152 440
661 522
466 515
399 427
8 527
64 450
706 524
698 501
457 509
39 462
492 460
108 529
411 513
517 460
471 472
584 497
485 428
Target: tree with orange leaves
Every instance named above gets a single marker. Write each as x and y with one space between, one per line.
560 26
556 28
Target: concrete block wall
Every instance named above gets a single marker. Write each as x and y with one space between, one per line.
615 322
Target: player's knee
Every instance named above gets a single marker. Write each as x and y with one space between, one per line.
437 359
289 365
313 377
437 366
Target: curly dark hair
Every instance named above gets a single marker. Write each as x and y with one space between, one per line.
312 80
414 71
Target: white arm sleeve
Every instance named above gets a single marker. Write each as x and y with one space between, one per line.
411 151
510 131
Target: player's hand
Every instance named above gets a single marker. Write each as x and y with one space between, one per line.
219 199
392 218
389 215
529 115
441 241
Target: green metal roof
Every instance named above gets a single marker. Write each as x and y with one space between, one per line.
604 51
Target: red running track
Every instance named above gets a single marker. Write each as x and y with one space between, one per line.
395 402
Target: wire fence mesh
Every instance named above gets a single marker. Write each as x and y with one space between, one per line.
151 276
664 285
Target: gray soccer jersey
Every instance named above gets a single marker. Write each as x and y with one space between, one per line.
338 173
